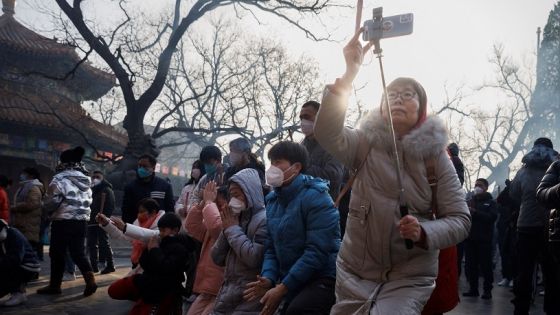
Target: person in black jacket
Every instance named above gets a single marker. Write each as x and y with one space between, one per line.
164 262
146 185
506 225
478 247
97 239
531 227
548 195
18 264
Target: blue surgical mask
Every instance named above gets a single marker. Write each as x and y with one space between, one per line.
210 169
22 178
143 172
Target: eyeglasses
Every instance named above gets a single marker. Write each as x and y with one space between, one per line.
405 96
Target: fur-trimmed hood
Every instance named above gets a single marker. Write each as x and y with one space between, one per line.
428 140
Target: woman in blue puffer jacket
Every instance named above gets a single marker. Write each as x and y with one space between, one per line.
304 237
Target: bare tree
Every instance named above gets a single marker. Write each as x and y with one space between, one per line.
115 50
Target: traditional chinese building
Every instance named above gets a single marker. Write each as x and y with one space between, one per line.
42 86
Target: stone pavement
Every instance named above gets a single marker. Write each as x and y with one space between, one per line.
71 301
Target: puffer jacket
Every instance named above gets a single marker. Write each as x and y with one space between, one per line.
26 211
524 187
71 188
373 261
304 234
240 249
16 252
205 226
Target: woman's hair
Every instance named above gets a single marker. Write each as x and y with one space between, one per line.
422 96
149 204
33 172
291 151
197 164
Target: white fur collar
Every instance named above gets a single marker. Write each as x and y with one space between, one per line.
426 141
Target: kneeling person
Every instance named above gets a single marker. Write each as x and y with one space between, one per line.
18 264
164 262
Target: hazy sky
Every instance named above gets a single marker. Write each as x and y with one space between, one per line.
451 43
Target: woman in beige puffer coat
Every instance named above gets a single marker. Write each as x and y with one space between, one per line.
376 274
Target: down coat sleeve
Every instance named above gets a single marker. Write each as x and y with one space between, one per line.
453 221
220 250
329 128
548 192
250 251
140 233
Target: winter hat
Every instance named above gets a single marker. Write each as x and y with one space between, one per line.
72 155
169 220
422 97
544 141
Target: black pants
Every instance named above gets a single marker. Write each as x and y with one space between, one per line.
98 246
315 298
67 235
507 253
532 247
478 257
460 256
14 279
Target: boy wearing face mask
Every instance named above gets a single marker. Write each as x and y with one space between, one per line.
240 246
299 265
478 246
97 239
18 264
146 185
321 163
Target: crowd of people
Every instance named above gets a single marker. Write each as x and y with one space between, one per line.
245 239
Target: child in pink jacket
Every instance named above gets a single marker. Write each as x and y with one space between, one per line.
205 224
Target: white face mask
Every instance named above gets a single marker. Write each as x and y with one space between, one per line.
3 234
235 158
478 190
95 182
307 127
275 176
237 206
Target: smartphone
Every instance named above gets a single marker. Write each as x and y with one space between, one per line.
387 27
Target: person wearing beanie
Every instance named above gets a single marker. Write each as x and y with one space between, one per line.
532 228
167 257
70 197
18 264
376 273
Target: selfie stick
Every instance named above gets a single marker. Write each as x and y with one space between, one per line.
403 207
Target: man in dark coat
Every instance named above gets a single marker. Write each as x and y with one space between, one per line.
97 238
478 246
146 185
321 163
531 228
